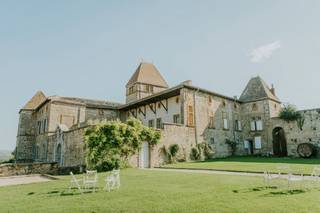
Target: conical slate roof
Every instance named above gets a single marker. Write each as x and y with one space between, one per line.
35 101
257 89
147 73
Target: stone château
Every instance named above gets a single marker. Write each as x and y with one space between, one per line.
51 128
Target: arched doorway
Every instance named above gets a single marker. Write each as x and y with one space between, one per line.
279 142
58 154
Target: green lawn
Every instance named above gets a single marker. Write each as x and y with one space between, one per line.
251 164
158 191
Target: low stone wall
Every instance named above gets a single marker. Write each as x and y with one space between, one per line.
28 168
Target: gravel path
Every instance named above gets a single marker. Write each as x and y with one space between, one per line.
199 171
23 179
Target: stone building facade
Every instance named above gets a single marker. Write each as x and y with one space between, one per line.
51 128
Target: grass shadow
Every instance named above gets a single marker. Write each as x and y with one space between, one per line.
30 193
53 192
286 192
255 189
64 193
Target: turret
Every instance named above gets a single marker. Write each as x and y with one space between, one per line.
145 81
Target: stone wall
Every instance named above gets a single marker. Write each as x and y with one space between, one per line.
28 168
171 134
25 137
310 132
207 105
101 114
73 148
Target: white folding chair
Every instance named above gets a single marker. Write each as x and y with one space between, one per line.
112 180
90 180
74 183
315 175
283 169
268 177
298 178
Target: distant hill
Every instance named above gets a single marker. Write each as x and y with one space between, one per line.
5 155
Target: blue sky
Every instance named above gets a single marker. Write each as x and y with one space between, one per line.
91 48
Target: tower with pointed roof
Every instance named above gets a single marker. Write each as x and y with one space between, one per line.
25 136
145 81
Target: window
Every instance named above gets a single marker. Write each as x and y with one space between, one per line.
190 116
151 123
176 118
223 103
177 100
256 124
257 142
210 99
149 88
211 122
39 127
254 107
101 112
44 125
211 140
159 105
225 121
131 90
238 125
159 123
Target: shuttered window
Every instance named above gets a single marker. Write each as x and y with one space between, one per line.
256 125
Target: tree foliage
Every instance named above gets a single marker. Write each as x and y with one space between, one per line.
289 113
112 142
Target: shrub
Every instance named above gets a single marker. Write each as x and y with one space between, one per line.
171 152
207 150
195 154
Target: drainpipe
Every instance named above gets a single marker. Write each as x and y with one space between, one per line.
195 117
233 120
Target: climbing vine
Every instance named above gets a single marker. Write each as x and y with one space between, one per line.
110 144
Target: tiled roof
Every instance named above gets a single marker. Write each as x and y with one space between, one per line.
35 101
257 89
86 102
147 73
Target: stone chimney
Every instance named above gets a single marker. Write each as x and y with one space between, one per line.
272 90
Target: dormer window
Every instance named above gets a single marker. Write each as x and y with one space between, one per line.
254 107
149 88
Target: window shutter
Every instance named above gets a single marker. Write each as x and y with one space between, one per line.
259 125
253 126
257 142
239 125
225 123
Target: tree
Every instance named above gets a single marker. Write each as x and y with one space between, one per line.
111 143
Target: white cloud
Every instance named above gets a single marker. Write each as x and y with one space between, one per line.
262 53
